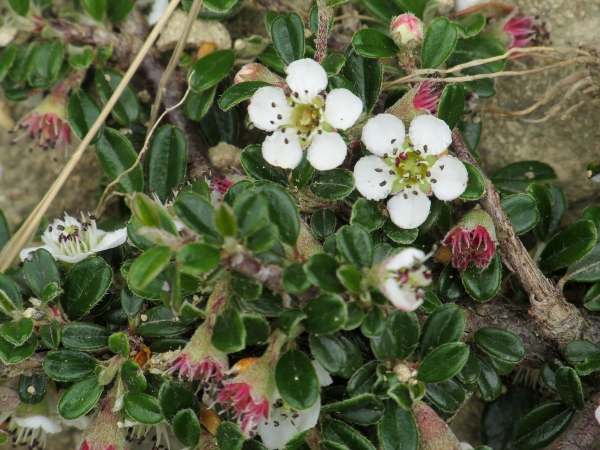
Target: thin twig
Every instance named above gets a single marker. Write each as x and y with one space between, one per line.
101 203
174 61
323 28
23 235
554 317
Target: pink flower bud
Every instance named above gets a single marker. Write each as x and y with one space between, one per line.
258 72
407 30
473 240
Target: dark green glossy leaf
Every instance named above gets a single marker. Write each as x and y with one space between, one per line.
21 7
489 382
476 184
294 279
484 284
322 223
186 427
451 107
238 93
40 270
11 354
229 436
446 324
443 362
540 426
592 298
198 214
325 314
500 344
283 212
440 40
197 104
373 44
321 271
174 396
166 162
33 388
86 283
142 408
148 266
95 8
522 211
17 331
568 246
196 258
448 395
287 33
50 334
514 178
346 435
397 429
69 365
229 334
450 286
296 379
127 108
85 336
255 165
209 70
568 386
82 112
48 59
80 398
365 409
329 351
116 155
117 10
587 269
365 74
355 244
333 184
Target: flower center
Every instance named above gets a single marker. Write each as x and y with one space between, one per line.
411 168
413 279
306 118
72 236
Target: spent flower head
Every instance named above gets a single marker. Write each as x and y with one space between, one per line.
402 278
71 239
473 240
518 30
104 432
410 168
303 116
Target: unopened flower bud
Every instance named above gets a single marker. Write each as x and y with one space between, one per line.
407 31
473 240
434 433
258 72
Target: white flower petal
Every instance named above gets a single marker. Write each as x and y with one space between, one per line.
24 254
72 259
111 240
308 418
465 446
278 153
430 131
158 8
383 133
307 78
327 151
342 108
323 376
370 172
597 414
262 112
405 259
275 437
409 212
451 178
35 422
403 299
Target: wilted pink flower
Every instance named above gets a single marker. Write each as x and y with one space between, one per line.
407 30
427 97
104 432
473 240
519 30
246 395
47 125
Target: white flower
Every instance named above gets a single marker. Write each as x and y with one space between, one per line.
30 426
286 422
409 167
402 278
71 240
306 117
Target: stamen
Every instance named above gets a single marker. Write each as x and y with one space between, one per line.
383 183
378 170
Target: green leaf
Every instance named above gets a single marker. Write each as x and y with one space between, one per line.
209 70
116 155
142 408
80 398
245 287
287 33
21 7
329 351
373 325
167 158
174 396
500 344
33 388
489 382
440 40
289 320
540 426
592 213
451 107
333 184
294 279
569 388
448 395
84 336
373 44
250 210
296 379
484 284
363 379
50 334
443 362
333 63
365 74
7 58
255 165
400 235
366 213
522 211
323 223
40 270
82 60
471 25
17 331
69 365
568 246
85 285
133 377
198 214
446 324
384 10
475 185
283 212
355 244
148 266
321 271
95 8
197 104
82 112
117 10
592 299
11 354
514 178
186 427
229 436
229 334
365 409
339 432
450 286
197 258
587 269
237 93
127 108
325 314
397 429
47 60
579 351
